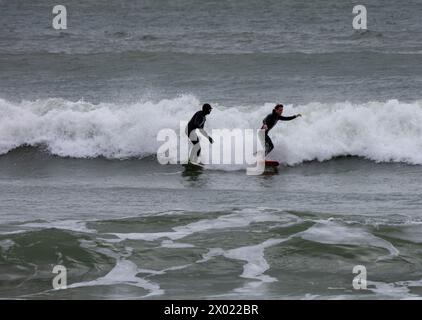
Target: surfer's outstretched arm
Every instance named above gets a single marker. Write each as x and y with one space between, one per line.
289 118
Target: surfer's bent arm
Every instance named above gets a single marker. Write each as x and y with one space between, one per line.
205 134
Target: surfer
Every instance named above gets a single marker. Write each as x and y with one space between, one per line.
270 121
197 122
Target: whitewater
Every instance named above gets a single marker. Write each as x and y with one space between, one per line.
389 131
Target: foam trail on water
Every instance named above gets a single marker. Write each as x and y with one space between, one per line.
254 256
255 267
236 220
329 232
124 272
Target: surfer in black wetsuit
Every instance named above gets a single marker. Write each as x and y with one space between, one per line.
270 122
197 122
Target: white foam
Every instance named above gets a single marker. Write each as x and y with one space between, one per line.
255 267
331 232
212 253
394 290
12 232
124 273
6 244
380 131
254 256
390 290
171 244
82 129
72 225
236 220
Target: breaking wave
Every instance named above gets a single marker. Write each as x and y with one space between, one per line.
389 131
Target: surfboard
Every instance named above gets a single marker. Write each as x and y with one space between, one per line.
194 166
271 163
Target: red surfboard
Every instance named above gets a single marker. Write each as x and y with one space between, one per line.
271 163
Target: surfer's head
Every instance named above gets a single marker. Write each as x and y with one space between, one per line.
278 109
206 108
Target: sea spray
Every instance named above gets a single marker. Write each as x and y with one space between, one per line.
388 131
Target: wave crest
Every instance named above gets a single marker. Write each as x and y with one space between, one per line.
388 131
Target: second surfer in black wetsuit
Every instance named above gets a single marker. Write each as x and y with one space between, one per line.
197 122
270 121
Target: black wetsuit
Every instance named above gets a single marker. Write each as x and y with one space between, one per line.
270 121
197 122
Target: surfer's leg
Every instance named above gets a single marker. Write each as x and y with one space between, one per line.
199 148
195 152
196 148
268 145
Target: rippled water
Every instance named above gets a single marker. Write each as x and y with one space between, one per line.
135 229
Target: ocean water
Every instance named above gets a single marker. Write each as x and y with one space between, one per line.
80 184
